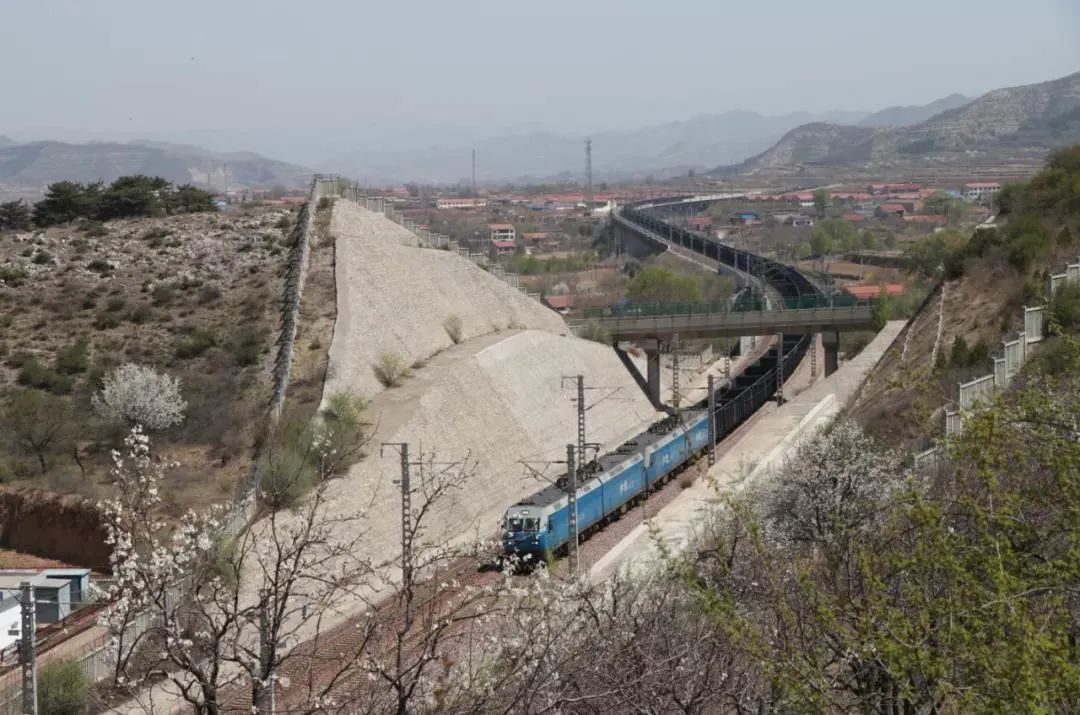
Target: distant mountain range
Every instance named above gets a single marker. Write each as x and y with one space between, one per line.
26 168
1005 125
1020 121
660 151
913 114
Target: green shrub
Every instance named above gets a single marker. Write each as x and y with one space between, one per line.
62 688
115 303
324 203
342 430
142 313
34 374
41 257
155 236
100 265
209 294
200 340
453 327
592 330
74 359
95 229
106 320
163 294
248 346
390 369
1064 313
12 275
289 468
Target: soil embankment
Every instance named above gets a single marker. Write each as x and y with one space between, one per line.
63 527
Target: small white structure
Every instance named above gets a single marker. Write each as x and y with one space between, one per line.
979 191
502 232
460 203
9 621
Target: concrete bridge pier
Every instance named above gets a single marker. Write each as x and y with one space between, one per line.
650 383
830 340
652 358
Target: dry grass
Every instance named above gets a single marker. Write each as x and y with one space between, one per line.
195 296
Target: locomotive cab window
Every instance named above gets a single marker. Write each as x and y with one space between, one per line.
519 524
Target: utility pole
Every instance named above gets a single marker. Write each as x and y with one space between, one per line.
571 493
263 697
676 399
27 654
588 175
779 369
474 173
813 354
712 421
406 509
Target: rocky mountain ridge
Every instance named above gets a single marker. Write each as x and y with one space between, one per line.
1010 124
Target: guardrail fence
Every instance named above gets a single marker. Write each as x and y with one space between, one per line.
980 391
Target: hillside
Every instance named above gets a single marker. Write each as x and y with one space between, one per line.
193 296
985 282
25 169
1012 124
913 114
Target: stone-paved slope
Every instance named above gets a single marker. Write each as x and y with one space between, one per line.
394 296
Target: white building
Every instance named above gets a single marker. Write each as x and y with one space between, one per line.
980 191
502 232
456 203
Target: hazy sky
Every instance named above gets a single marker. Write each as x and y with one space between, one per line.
301 80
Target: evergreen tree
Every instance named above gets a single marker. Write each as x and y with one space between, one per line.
14 215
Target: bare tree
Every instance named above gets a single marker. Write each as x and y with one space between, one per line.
37 423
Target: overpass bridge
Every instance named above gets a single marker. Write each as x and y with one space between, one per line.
690 322
792 304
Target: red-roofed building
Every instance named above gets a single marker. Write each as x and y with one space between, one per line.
889 210
561 304
699 222
854 217
879 189
866 292
851 195
502 247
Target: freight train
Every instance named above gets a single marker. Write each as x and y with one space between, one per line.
538 527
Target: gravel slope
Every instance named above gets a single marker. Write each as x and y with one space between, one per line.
393 296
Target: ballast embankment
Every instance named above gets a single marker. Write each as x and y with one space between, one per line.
394 297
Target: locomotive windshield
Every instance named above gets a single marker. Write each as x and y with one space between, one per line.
515 523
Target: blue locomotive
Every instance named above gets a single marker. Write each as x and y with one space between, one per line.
537 527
